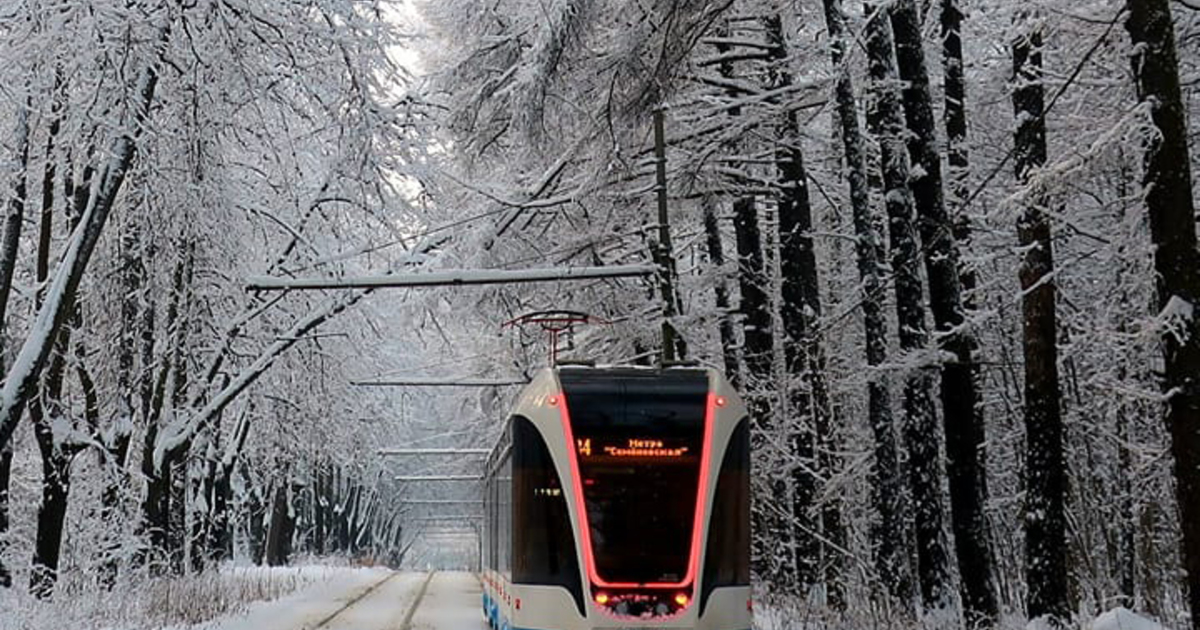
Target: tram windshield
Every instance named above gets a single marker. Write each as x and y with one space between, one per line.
638 439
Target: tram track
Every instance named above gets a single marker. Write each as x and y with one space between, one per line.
407 623
351 602
331 620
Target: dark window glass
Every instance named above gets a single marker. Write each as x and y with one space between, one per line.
506 521
543 544
490 554
638 439
496 477
495 533
727 557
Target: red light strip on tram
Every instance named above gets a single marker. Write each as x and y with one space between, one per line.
714 401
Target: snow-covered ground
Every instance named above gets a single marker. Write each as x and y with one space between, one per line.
171 602
784 617
288 598
312 606
370 600
347 598
1123 619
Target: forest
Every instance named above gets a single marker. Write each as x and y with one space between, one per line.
946 249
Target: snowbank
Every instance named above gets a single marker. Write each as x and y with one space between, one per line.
167 603
1123 619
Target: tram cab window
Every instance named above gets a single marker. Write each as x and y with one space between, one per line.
727 557
543 544
639 438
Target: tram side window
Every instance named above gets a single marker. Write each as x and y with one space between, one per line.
727 557
496 535
543 543
506 516
491 512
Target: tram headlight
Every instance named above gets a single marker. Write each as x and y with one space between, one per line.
681 599
602 598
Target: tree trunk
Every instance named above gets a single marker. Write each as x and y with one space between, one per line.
318 506
757 353
56 485
811 441
46 409
202 516
156 504
164 508
256 530
885 475
6 457
886 120
279 534
45 412
1045 465
154 510
352 520
20 385
116 438
1127 537
716 255
220 533
1168 194
13 219
178 457
955 99
176 519
959 393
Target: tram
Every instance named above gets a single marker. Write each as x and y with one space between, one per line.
619 498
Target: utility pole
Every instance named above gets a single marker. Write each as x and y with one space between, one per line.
663 251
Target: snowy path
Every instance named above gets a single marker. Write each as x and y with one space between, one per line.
372 600
384 607
451 603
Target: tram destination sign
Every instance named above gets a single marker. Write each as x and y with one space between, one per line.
632 448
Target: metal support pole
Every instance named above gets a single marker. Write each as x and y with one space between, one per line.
404 452
441 502
438 478
458 277
435 382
